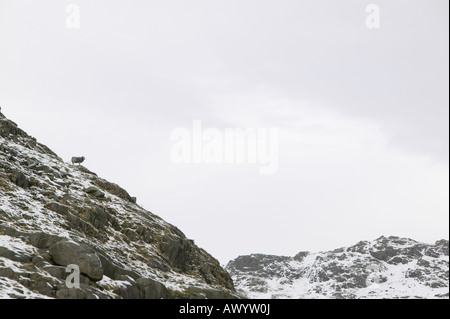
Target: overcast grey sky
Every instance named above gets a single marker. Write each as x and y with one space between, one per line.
362 113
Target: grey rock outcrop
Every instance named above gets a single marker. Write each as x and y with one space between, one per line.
151 289
94 191
66 253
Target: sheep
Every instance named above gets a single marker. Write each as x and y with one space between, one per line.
77 160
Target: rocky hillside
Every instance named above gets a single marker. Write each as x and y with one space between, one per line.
54 214
384 268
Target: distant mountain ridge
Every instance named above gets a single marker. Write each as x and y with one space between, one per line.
388 267
54 214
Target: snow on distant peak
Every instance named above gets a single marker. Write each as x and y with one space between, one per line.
390 267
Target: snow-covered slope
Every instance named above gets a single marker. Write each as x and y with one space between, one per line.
384 268
53 213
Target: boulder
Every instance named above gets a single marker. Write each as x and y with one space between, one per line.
114 189
43 240
130 290
56 271
64 253
93 191
113 269
8 128
151 289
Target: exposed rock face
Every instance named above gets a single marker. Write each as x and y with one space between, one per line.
53 214
151 289
384 268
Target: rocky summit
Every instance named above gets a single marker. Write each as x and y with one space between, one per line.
388 267
54 215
